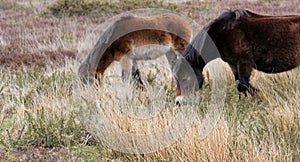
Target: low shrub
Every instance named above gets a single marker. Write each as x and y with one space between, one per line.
86 7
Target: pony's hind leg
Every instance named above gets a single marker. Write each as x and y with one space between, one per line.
103 64
131 72
244 69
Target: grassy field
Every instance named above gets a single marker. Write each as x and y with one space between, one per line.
46 115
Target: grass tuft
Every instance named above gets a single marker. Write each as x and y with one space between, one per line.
86 7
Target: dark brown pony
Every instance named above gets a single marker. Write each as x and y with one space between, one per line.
246 40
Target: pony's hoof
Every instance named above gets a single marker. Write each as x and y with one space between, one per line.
252 90
240 95
180 101
244 89
140 87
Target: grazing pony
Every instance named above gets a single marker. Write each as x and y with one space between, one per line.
162 34
246 40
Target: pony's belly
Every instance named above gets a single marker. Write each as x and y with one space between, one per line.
276 67
277 60
150 52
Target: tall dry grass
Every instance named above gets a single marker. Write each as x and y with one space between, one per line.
48 108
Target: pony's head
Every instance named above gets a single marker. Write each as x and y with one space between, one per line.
204 47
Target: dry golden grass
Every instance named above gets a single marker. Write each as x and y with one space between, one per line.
45 113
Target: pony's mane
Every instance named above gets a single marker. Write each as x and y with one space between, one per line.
237 14
240 13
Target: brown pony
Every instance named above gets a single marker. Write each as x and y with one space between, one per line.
168 34
246 40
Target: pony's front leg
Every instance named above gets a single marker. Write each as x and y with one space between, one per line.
103 64
244 69
236 77
234 71
136 76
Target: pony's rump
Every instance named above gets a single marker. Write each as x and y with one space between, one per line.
131 31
